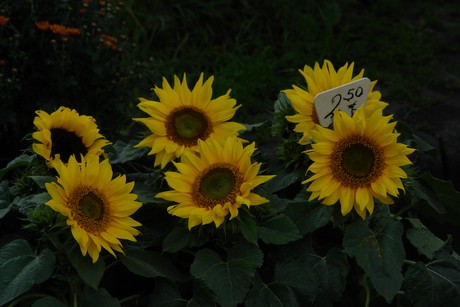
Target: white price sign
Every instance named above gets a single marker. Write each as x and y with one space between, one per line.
347 97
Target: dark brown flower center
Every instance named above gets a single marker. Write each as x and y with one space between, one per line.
357 161
66 143
218 184
186 125
89 208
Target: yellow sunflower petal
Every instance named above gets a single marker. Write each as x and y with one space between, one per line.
97 207
211 184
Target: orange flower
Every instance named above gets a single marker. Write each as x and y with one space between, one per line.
57 29
61 30
110 42
42 25
3 20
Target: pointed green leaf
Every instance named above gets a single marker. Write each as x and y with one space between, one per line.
90 272
273 294
309 216
331 272
13 249
247 225
433 284
123 152
99 298
5 204
379 252
25 203
22 160
296 274
278 230
230 280
248 252
446 194
422 238
419 192
150 264
282 180
176 239
23 269
321 279
41 180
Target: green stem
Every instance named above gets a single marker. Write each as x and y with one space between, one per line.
367 291
129 298
74 300
409 262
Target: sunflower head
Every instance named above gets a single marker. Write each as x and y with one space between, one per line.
319 79
214 182
64 133
97 206
358 161
181 117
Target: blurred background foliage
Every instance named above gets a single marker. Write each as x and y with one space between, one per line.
123 49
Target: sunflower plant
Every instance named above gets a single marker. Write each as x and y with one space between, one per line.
192 211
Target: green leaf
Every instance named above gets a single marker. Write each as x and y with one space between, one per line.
248 252
41 180
277 203
180 237
423 239
124 152
331 272
309 216
379 251
282 180
5 204
252 127
446 194
13 249
247 225
90 272
321 279
25 203
22 160
433 284
282 107
176 239
419 192
423 146
99 298
294 273
48 302
273 294
230 280
21 269
144 191
278 230
150 264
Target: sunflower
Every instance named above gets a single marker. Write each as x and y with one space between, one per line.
357 161
320 79
214 183
64 133
182 117
97 207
